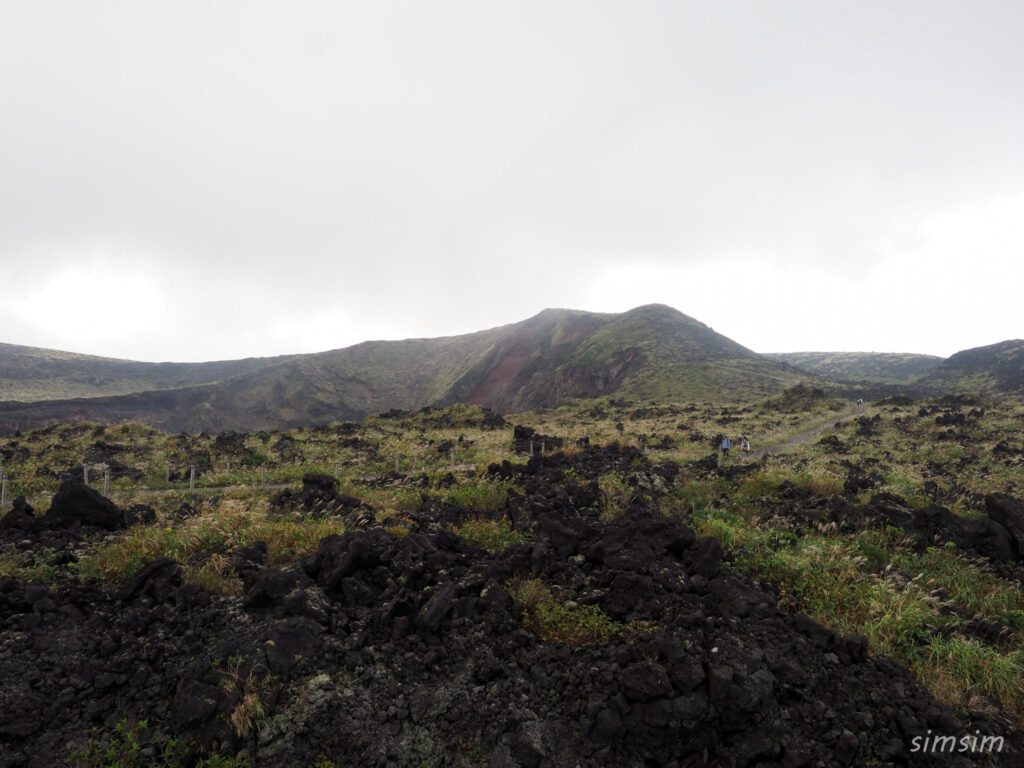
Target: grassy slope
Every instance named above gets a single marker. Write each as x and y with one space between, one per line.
650 352
356 381
30 374
343 384
878 367
687 358
986 370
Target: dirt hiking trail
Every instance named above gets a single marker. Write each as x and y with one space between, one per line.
804 437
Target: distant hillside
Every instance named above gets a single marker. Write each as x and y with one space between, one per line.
30 374
994 369
649 352
872 367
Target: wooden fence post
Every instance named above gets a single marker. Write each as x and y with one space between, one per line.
451 452
85 474
263 475
106 481
191 479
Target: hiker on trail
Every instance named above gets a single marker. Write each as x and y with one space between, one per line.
745 446
726 445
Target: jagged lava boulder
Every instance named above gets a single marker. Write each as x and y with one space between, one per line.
76 504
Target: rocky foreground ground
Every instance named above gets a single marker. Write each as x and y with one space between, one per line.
386 650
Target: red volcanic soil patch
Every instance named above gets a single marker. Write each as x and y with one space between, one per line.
519 364
524 354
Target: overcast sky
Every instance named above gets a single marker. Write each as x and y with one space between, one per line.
207 180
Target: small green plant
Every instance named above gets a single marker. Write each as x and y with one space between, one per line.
30 566
780 539
560 621
123 750
1013 619
255 459
615 495
493 535
124 747
875 557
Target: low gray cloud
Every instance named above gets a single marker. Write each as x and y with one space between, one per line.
429 168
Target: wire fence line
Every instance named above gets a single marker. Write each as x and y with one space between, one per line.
263 477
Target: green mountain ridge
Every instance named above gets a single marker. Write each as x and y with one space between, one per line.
874 367
30 374
652 351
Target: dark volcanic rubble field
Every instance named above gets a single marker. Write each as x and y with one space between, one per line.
387 650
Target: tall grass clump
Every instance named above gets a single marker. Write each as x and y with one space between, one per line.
956 670
493 535
481 497
202 544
